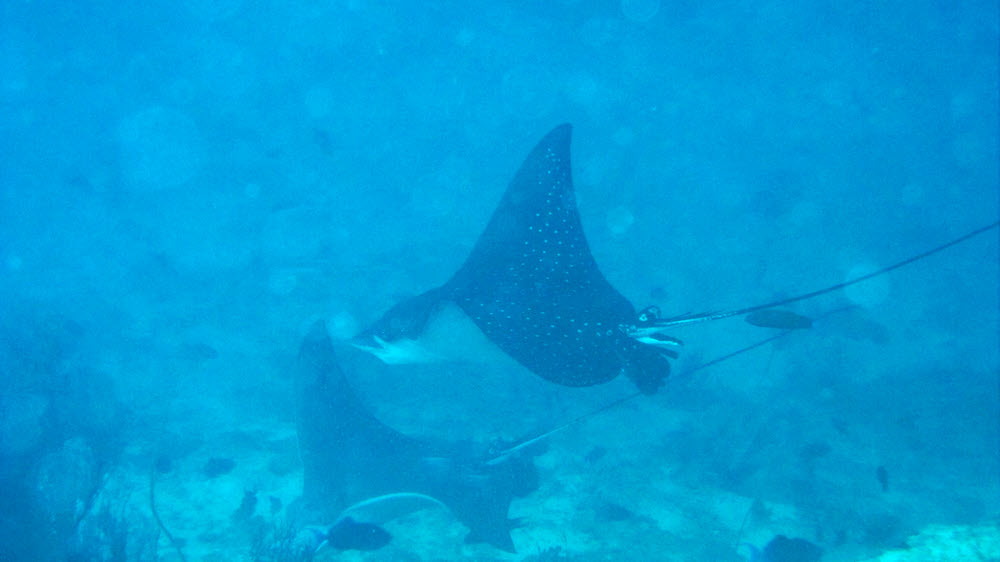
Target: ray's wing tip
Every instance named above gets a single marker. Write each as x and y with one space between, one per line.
556 140
317 330
562 131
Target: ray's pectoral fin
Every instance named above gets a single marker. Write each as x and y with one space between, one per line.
393 338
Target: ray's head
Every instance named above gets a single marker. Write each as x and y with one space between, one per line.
648 351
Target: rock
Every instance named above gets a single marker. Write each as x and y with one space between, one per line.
21 422
65 483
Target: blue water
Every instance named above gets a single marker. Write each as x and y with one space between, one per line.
186 186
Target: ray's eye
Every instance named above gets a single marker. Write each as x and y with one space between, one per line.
648 315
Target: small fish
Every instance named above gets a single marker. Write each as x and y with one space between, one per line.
775 318
595 454
610 511
784 549
882 475
275 503
247 507
218 466
163 464
348 534
359 527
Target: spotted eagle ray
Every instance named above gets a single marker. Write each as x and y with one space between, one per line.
349 456
532 287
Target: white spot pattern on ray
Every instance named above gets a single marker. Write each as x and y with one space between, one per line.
548 306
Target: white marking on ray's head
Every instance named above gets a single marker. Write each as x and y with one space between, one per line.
399 352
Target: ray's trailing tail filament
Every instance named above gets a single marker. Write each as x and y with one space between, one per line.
693 319
156 515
